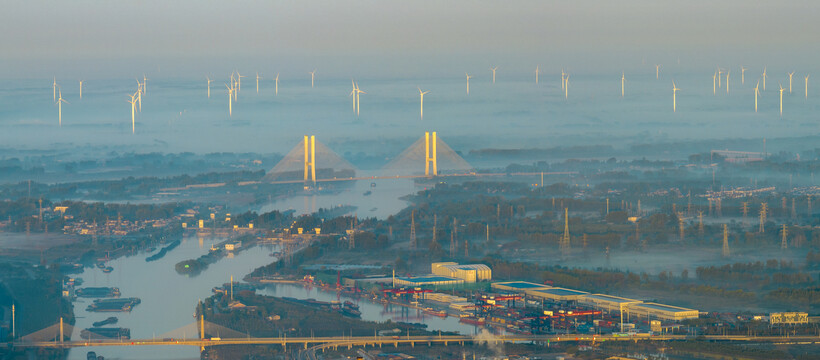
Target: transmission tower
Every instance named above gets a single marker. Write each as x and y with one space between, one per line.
745 211
700 223
564 247
725 241
763 208
351 244
413 230
718 206
784 244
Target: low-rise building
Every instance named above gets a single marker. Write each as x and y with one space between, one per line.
662 312
469 272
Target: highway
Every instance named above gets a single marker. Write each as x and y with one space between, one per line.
339 341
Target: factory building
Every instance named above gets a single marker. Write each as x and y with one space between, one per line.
470 273
556 294
427 280
662 312
607 302
519 287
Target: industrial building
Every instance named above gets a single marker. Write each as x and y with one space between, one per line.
556 294
607 302
470 273
427 280
662 312
517 286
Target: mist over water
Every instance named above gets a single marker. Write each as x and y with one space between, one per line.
177 115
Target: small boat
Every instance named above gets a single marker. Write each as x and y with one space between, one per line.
107 269
110 320
367 193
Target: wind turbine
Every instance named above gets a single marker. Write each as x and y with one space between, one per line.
239 82
536 74
493 69
742 75
257 82
277 84
714 83
727 80
674 97
421 111
781 99
358 104
764 78
623 79
312 77
60 102
54 88
566 87
81 89
657 71
757 92
562 78
133 103
139 94
807 86
468 82
144 85
209 86
353 94
231 92
790 81
720 72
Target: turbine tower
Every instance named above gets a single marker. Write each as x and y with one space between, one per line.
468 82
312 77
133 103
60 102
493 69
566 87
536 74
623 79
238 82
657 71
807 86
358 104
764 78
81 89
742 75
562 78
674 97
209 86
790 81
727 80
757 92
714 83
276 92
353 94
144 84
230 99
720 77
421 103
257 82
54 89
781 99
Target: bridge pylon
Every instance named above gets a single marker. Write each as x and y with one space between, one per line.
430 148
310 158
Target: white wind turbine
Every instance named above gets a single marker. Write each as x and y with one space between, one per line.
139 94
757 92
54 88
493 69
133 103
720 73
231 92
468 82
277 84
781 99
421 103
764 78
353 94
144 84
742 75
239 82
81 89
536 74
60 102
807 86
714 83
566 87
674 97
657 71
209 86
623 79
257 82
563 74
312 77
358 104
790 81
727 80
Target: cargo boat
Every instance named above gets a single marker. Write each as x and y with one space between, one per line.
96 333
106 305
472 320
110 320
98 292
439 313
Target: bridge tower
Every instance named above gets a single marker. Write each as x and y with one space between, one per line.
61 329
310 158
725 241
413 230
202 324
430 156
564 245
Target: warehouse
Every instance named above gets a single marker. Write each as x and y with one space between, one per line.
469 273
662 312
607 302
556 294
427 280
517 286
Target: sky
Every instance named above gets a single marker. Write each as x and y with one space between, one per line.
400 38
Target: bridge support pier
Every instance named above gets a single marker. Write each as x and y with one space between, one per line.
349 346
305 345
